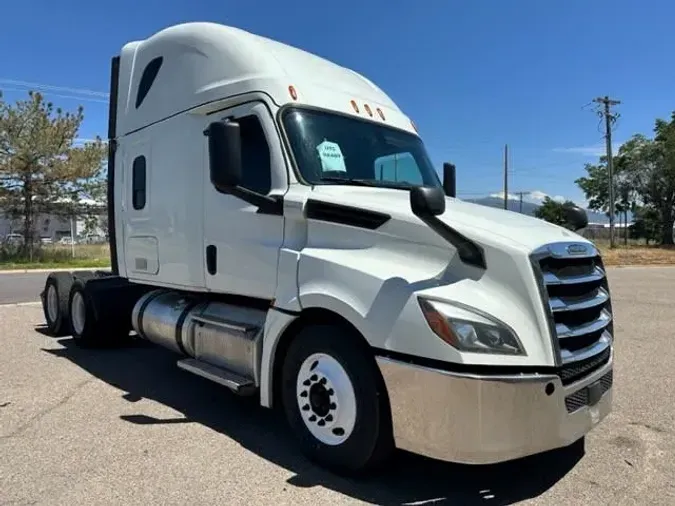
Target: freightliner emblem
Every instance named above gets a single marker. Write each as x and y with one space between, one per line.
576 249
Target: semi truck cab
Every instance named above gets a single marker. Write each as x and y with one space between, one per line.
275 220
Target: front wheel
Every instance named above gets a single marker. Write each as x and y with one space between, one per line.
335 401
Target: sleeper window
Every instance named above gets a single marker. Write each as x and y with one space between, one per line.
138 183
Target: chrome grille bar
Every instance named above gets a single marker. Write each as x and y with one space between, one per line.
552 279
558 304
595 349
564 331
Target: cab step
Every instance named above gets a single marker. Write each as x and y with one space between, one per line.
238 384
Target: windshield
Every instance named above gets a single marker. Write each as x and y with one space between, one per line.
334 149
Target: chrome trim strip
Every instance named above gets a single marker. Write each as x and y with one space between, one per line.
569 357
600 323
535 258
500 378
243 328
561 250
561 304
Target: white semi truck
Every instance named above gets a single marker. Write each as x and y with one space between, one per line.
275 220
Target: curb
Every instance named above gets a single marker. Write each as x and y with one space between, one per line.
42 271
640 266
22 304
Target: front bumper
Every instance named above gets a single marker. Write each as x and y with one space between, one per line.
476 419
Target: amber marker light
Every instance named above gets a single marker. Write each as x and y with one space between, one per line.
438 323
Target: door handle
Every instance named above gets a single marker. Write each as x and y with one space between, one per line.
211 259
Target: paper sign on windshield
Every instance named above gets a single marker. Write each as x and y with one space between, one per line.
331 157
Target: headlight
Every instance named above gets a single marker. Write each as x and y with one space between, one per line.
467 330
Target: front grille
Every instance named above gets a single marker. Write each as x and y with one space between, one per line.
576 298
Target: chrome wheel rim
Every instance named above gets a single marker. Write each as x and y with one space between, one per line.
326 399
78 313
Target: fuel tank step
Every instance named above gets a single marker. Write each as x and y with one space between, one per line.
236 383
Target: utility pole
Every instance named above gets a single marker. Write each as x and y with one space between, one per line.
506 176
520 198
609 118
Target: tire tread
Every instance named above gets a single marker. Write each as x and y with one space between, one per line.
371 442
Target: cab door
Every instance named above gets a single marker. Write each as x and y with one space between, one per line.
241 243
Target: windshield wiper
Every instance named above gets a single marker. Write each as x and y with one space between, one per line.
350 181
366 182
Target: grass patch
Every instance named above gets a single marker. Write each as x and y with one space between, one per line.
58 257
98 256
636 254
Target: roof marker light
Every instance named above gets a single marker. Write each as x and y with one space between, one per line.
294 94
414 126
367 108
379 111
356 107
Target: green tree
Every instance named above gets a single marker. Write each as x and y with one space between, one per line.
647 224
645 177
555 212
42 170
596 188
658 185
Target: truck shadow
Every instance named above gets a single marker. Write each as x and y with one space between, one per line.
147 371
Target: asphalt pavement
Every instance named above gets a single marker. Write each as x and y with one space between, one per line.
128 427
21 287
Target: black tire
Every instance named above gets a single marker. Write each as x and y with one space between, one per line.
87 333
94 331
370 443
60 283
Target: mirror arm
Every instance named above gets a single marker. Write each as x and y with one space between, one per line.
469 252
266 204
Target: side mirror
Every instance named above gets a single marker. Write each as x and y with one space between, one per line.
449 180
224 154
577 217
426 201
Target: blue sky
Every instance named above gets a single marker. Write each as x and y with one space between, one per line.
473 75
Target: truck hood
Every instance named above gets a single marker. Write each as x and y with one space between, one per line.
473 220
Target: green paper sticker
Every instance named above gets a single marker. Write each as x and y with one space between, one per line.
331 157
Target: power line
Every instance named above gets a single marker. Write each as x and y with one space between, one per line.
59 95
50 87
69 93
610 118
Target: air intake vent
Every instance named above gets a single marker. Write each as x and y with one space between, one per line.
577 302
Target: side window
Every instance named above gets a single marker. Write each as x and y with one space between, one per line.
138 183
255 156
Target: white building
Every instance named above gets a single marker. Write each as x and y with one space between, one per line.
54 227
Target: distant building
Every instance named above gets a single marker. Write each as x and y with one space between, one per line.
54 227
